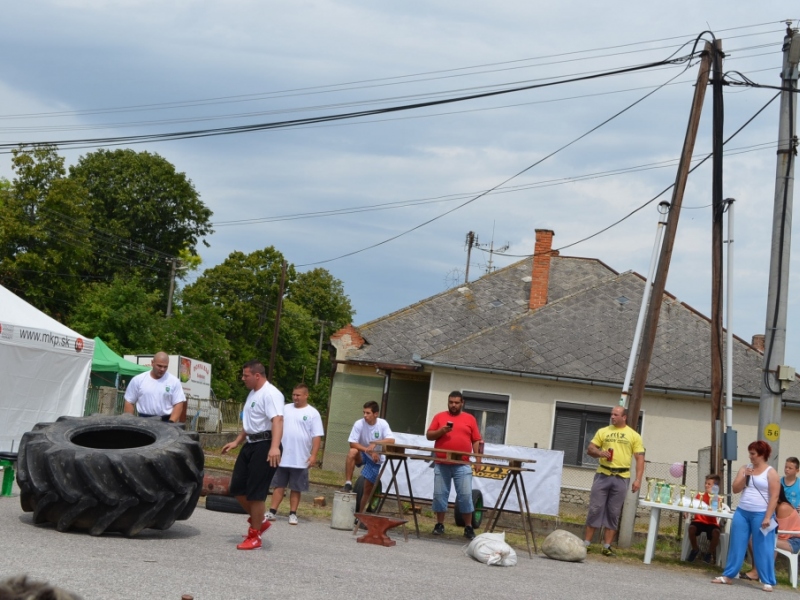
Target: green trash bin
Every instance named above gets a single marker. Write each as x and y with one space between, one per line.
7 460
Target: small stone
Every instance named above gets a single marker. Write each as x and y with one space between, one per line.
563 545
319 501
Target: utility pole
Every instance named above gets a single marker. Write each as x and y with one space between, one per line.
659 284
776 378
319 351
718 208
472 242
277 327
172 272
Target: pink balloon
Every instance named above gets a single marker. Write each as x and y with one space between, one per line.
676 470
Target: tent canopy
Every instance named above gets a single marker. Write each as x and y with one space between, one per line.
105 360
44 367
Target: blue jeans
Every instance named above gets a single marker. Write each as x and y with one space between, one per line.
461 475
746 524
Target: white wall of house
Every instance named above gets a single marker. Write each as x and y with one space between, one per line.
673 428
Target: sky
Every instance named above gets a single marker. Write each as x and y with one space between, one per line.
76 69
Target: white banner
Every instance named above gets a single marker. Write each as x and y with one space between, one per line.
543 485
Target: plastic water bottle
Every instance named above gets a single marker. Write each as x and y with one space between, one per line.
714 500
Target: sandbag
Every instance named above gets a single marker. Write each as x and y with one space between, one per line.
491 549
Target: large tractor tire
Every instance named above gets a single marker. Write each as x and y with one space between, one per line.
109 474
358 489
477 515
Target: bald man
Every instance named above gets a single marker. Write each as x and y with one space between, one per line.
156 393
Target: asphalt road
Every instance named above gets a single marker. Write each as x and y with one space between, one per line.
311 560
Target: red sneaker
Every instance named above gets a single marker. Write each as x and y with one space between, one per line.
264 526
252 542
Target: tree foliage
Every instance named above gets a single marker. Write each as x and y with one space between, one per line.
44 219
90 249
151 211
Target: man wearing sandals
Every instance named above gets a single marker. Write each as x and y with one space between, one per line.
615 447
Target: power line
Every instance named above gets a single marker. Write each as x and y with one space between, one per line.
460 196
529 167
138 139
665 190
400 79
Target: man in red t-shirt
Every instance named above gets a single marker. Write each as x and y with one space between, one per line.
454 430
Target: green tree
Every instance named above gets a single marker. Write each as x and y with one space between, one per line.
45 241
197 331
321 294
143 209
122 312
245 289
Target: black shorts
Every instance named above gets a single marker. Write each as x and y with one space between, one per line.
706 528
252 474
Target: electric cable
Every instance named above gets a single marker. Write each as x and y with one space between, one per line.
657 196
473 199
213 132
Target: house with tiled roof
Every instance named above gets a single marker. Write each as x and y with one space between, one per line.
539 350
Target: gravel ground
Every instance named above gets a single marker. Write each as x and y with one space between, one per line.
312 560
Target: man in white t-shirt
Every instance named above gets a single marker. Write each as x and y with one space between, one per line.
262 429
365 438
156 393
302 434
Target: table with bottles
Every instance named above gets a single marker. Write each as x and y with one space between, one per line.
661 496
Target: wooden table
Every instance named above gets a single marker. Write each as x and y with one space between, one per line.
655 517
397 455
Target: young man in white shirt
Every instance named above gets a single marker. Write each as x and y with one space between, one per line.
365 438
302 435
262 429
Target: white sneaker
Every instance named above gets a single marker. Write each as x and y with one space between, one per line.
292 519
269 516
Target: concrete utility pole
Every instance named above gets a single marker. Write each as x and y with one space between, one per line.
172 272
777 378
659 284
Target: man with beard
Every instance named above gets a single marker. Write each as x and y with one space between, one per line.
454 429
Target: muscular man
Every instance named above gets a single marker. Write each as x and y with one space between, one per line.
615 446
262 429
157 393
453 429
302 434
365 437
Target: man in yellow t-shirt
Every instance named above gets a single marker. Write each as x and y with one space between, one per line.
615 447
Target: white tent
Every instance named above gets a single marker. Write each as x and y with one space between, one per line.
44 369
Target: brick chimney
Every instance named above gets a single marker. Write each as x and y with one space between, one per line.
540 276
758 342
347 338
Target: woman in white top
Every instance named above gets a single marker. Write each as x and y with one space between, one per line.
760 487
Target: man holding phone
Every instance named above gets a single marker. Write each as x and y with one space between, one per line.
454 430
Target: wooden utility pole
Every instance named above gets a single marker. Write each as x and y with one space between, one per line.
471 242
718 208
277 327
172 272
659 284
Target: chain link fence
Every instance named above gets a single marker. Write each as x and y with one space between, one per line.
202 415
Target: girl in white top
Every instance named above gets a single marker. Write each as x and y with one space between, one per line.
760 487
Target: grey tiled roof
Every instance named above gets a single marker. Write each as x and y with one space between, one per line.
447 318
585 330
588 336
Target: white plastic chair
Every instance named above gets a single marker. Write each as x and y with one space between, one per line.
791 556
702 542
